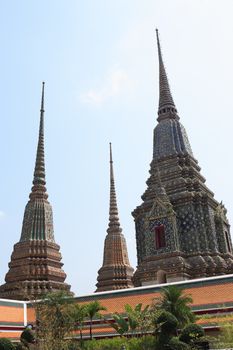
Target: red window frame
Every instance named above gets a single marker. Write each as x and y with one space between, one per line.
160 241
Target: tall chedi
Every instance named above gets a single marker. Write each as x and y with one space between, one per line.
116 272
35 266
181 231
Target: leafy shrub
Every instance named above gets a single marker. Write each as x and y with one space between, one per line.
201 343
143 343
27 336
105 344
6 344
20 346
74 345
226 336
176 344
191 333
168 322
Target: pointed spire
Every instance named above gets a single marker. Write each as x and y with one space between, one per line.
114 224
116 272
39 189
167 108
36 268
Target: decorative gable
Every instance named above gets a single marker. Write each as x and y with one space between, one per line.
160 209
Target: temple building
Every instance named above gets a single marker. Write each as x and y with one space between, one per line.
182 235
182 232
35 267
116 272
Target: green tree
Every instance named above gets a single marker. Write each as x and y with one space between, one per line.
139 318
93 310
225 340
167 323
6 344
79 313
27 337
177 303
121 325
165 328
54 320
20 346
176 344
191 333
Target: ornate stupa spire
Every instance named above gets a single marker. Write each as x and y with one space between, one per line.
35 266
40 224
39 189
180 232
166 104
116 272
114 223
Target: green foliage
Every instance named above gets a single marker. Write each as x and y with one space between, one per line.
136 320
148 342
166 327
178 304
132 315
54 320
27 336
78 315
93 310
20 346
143 343
74 345
6 344
167 323
176 344
139 318
58 316
120 325
191 333
225 340
105 344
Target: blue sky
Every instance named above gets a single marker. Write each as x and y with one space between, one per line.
99 62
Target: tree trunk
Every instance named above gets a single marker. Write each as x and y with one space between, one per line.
81 334
91 328
81 337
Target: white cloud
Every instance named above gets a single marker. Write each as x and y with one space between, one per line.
116 83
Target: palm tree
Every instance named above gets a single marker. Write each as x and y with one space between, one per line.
79 313
93 310
177 303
